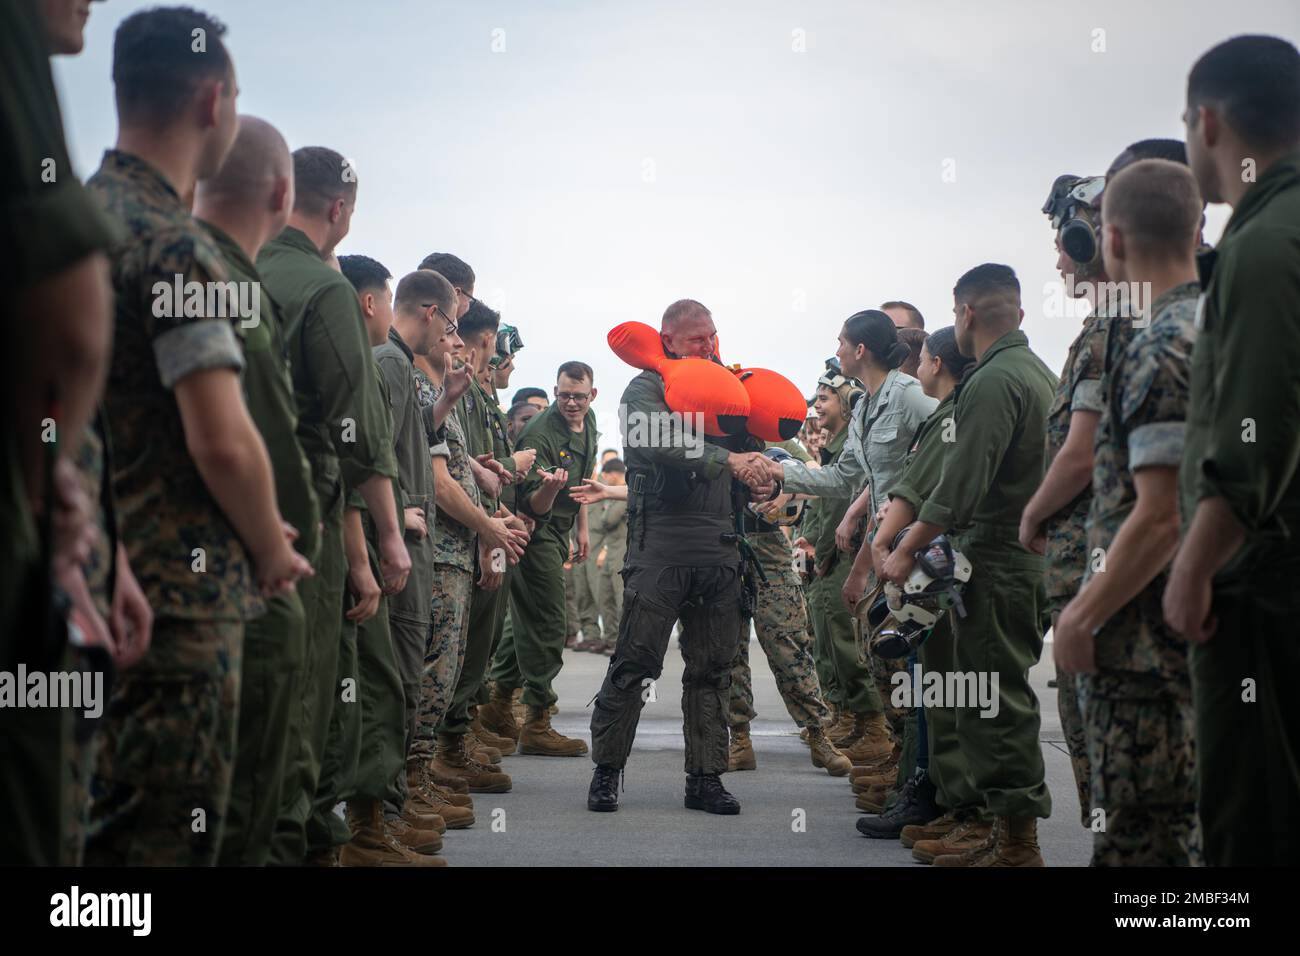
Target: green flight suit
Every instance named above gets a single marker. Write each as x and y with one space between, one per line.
832 621
409 610
683 562
485 435
48 226
990 471
381 760
345 433
275 644
823 655
537 591
947 770
1242 445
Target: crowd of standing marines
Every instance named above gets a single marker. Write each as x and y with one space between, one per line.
321 562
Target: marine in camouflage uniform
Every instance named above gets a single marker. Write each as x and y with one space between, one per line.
453 582
608 520
169 737
1079 389
275 644
485 435
1137 707
781 622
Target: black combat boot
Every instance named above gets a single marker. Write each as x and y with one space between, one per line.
705 792
915 805
602 795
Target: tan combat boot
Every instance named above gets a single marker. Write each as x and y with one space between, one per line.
497 716
480 751
372 845
872 801
740 755
874 744
1017 844
961 847
936 829
498 742
426 842
537 736
421 813
841 730
825 754
450 758
424 793
882 778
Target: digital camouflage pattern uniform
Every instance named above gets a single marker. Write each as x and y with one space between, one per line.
1242 446
990 470
453 581
947 765
163 777
781 623
485 435
501 648
1078 390
409 610
537 590
682 562
608 522
1137 708
275 644
344 431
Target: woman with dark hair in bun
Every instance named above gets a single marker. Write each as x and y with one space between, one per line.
879 436
939 780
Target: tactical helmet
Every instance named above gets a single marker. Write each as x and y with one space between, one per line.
902 618
1074 207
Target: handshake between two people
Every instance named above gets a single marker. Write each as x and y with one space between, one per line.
759 472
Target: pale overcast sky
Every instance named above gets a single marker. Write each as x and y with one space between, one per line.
781 162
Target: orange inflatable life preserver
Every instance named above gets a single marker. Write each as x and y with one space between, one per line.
732 399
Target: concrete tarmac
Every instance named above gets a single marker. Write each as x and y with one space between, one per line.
792 814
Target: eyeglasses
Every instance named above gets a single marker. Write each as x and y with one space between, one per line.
572 397
451 323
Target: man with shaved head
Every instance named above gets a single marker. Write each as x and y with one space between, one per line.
683 561
242 207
